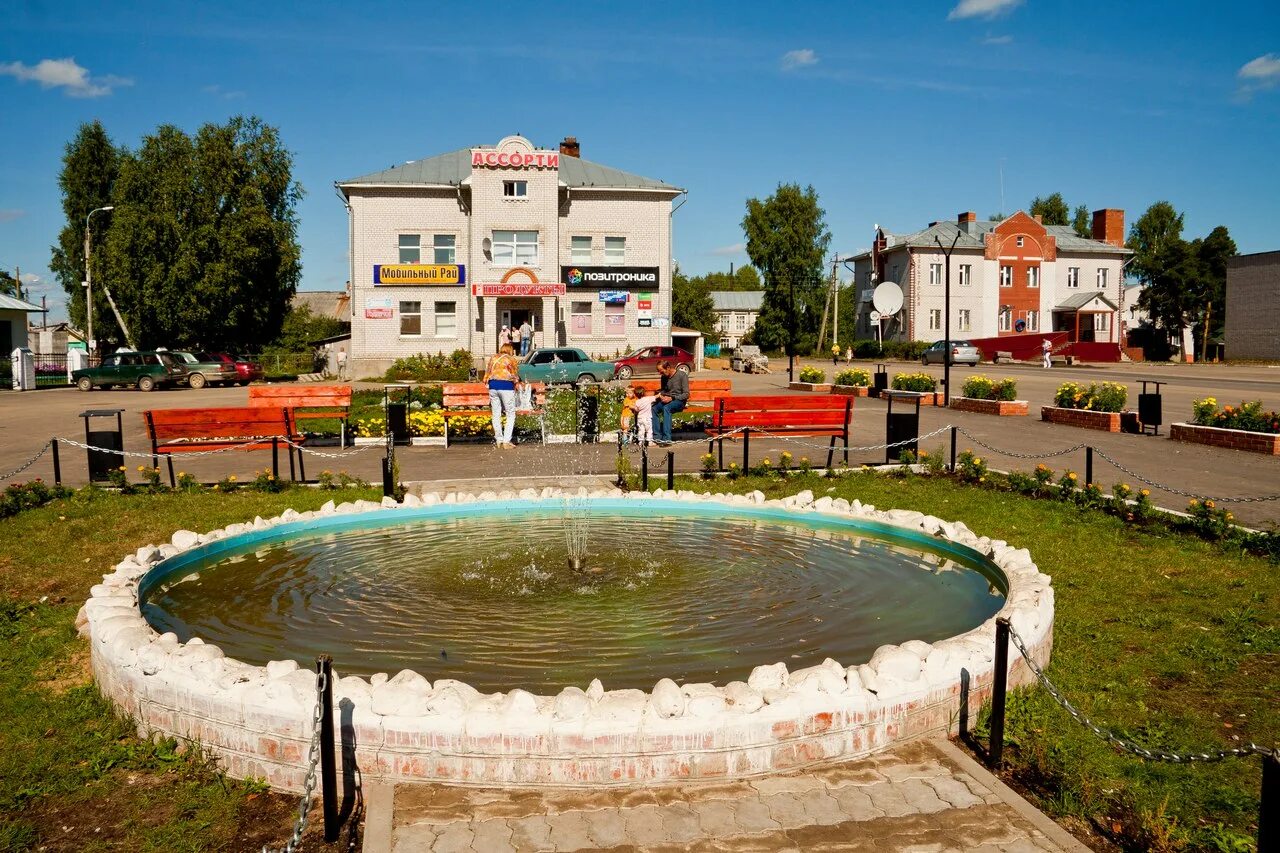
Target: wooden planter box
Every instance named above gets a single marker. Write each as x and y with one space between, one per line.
819 387
1234 439
1083 418
850 390
1003 408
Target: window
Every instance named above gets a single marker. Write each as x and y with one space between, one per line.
1101 322
895 273
966 274
935 273
1073 276
411 318
410 249
615 250
1033 321
935 319
740 322
580 323
446 319
1033 276
515 189
615 320
515 248
1021 242
1102 278
444 247
1005 319
965 320
1006 276
579 250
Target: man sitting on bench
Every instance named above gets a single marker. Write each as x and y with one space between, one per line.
672 397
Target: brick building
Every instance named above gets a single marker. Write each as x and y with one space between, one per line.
1009 279
1252 328
445 251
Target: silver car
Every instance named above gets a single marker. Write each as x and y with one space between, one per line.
962 352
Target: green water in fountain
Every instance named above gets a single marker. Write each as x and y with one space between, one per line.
696 595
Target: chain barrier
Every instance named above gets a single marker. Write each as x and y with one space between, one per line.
759 433
1012 455
16 471
309 785
1171 490
1126 745
140 455
340 455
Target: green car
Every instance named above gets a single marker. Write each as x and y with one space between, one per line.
564 365
200 369
144 370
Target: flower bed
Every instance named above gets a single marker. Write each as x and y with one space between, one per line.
1083 418
1003 408
820 387
914 382
811 379
1233 439
851 390
989 397
1098 397
854 382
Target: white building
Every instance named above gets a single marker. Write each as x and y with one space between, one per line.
445 251
736 313
1010 279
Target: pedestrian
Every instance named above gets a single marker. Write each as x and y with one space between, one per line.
835 354
627 418
848 355
644 403
504 337
501 374
1046 347
526 337
672 398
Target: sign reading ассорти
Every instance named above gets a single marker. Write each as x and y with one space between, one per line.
419 274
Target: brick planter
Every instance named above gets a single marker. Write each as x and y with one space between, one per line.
850 390
1084 418
819 387
1234 439
1003 408
930 398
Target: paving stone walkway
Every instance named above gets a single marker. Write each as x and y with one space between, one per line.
925 797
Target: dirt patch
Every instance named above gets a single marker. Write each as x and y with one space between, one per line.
74 670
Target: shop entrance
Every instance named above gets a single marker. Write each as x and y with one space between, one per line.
513 314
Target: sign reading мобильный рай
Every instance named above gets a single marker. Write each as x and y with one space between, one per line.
419 274
610 277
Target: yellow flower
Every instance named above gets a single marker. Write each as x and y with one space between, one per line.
977 461
232 478
1230 516
1146 492
1209 504
1193 502
142 467
1124 487
123 468
1071 476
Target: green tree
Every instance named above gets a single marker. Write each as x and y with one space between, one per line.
1148 237
691 305
743 278
787 239
1213 252
90 166
8 285
1082 222
300 327
1052 209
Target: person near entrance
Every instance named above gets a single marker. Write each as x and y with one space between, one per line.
500 374
526 337
1046 347
672 398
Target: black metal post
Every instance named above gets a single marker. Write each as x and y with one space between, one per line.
1088 466
946 322
621 482
644 468
57 465
328 764
275 458
388 469
1269 806
746 450
953 449
671 469
995 750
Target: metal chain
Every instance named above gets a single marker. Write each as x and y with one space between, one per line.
140 455
1171 490
1012 455
15 472
793 440
1126 745
341 455
309 784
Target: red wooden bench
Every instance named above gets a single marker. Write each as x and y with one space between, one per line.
174 431
471 399
703 393
793 414
318 401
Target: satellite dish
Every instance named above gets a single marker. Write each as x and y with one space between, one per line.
887 298
875 316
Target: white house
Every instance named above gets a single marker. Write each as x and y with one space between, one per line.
736 313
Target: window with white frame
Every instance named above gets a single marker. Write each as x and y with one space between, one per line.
515 189
444 248
579 250
410 248
935 273
966 275
446 319
1033 276
580 319
1006 319
1101 322
740 322
1006 276
615 320
410 319
1073 276
965 320
1022 241
935 319
515 248
1033 321
1102 278
615 250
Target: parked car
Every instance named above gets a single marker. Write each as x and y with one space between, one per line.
246 370
145 371
200 369
644 361
962 352
747 358
563 365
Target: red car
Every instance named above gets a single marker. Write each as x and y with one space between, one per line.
246 371
643 362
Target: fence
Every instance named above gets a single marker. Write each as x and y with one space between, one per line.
286 363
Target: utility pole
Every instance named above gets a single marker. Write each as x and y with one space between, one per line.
17 282
826 307
88 278
946 323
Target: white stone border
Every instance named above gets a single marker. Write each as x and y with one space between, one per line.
257 720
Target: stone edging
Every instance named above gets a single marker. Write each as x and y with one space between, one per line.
1003 408
257 720
1234 439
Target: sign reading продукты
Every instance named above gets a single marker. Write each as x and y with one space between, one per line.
612 277
419 274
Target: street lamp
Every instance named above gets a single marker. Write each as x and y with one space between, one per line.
88 278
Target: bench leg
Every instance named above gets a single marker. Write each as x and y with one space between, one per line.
173 483
831 451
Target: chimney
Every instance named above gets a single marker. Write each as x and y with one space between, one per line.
570 147
967 216
1038 218
1108 226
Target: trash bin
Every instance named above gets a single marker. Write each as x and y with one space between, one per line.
902 425
880 381
589 415
396 399
101 463
1150 408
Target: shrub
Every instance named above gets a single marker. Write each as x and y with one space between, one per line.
971 468
1104 397
19 496
907 350
854 376
1247 416
424 367
812 374
914 382
980 387
867 349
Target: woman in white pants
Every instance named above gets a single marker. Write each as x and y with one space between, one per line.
501 374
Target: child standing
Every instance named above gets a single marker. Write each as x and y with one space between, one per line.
628 418
644 415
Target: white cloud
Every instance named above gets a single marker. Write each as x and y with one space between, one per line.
1258 75
11 214
998 40
219 92
735 249
793 59
64 74
30 278
981 9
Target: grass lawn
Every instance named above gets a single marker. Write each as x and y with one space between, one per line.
73 775
1170 640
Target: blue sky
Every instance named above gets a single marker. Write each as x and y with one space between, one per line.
897 113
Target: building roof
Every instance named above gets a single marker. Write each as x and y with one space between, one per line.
1076 301
12 303
454 167
973 236
323 303
736 300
